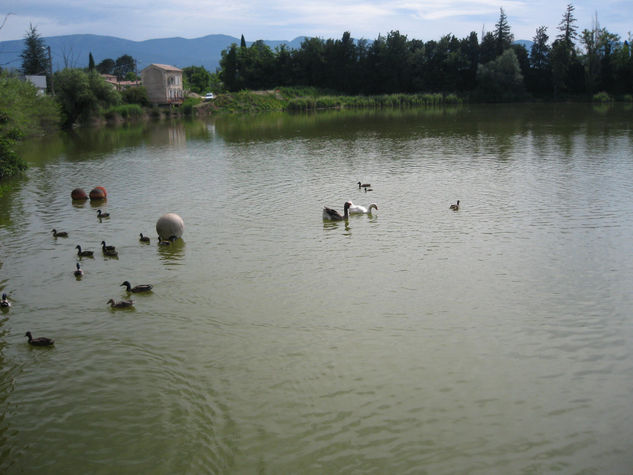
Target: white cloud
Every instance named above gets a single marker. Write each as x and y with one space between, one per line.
286 19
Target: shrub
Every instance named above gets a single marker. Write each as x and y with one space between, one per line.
602 97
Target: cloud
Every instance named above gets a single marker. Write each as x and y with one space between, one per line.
287 19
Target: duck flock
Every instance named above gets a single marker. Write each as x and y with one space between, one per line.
349 208
108 251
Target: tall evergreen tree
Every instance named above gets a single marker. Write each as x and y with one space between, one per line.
91 62
34 57
540 78
567 27
242 42
503 37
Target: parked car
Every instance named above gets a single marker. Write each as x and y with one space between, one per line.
209 96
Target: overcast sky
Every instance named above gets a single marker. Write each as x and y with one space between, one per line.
286 19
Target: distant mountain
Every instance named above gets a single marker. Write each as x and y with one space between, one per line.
73 50
525 43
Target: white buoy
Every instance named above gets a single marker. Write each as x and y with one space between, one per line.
169 225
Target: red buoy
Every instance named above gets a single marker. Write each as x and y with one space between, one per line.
79 194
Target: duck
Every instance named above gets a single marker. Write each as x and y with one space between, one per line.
81 253
102 215
137 288
363 185
356 209
108 250
120 303
41 341
332 214
59 234
455 207
167 242
78 271
143 238
4 303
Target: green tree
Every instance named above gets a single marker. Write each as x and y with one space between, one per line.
501 80
23 113
242 42
82 96
135 95
34 57
488 48
91 62
503 36
197 79
540 77
124 65
229 69
106 66
567 27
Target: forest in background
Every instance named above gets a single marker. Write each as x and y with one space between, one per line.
493 69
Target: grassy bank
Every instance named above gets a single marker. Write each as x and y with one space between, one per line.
310 99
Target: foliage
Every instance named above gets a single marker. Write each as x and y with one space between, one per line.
602 97
34 57
397 64
106 66
501 79
503 37
135 95
126 111
83 95
23 113
123 65
197 79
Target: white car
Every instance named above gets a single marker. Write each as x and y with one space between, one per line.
209 96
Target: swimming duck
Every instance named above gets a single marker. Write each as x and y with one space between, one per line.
332 214
455 207
81 253
162 242
41 341
356 209
108 250
120 303
59 234
4 303
137 288
78 271
102 215
143 238
363 185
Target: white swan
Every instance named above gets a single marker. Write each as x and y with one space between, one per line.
332 214
356 209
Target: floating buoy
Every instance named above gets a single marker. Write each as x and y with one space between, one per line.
169 225
79 194
105 193
98 193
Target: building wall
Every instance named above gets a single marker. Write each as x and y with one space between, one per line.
163 86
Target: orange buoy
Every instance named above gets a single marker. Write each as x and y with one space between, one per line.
97 194
105 193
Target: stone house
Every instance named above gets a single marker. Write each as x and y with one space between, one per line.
163 84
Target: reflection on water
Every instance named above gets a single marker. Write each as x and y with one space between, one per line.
416 339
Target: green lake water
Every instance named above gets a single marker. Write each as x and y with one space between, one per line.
494 339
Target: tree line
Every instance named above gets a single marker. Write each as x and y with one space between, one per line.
494 68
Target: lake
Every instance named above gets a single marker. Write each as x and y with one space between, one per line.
493 339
